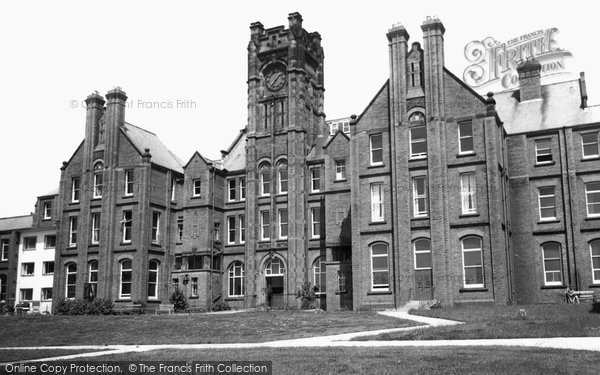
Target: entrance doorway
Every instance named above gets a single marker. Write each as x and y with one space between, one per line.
274 272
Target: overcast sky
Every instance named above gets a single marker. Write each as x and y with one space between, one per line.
55 53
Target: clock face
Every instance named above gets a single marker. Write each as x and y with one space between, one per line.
275 80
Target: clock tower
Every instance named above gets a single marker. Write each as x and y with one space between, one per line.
285 116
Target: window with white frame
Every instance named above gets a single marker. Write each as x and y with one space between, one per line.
98 180
95 228
420 204
46 294
340 169
47 210
380 273
315 219
48 268
274 267
346 127
265 182
236 279
422 250
73 231
376 149
283 178
315 179
265 225
418 136
231 229
29 243
589 145
341 282
25 294
27 269
196 187
153 279
595 254
173 184
71 280
75 189
552 263
179 230
543 151
231 187
468 193
333 128
242 228
129 180
125 279
49 241
93 275
126 225
194 287
282 215
319 279
377 206
4 245
242 188
155 227
592 198
547 203
472 262
465 137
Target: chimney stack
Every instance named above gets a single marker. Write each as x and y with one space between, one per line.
529 80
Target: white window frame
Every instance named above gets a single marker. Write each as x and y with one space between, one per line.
543 151
231 190
587 201
95 238
23 294
583 144
264 226
461 137
156 227
544 259
340 169
173 184
45 266
98 185
419 155
68 272
418 252
47 210
417 197
93 272
480 250
46 242
196 187
231 230
73 224
4 247
75 189
282 170
380 287
154 284
333 128
540 196
468 193
242 188
27 241
319 269
372 149
281 223
265 182
315 179
242 219
129 181
127 226
346 127
122 270
25 269
377 202
235 273
592 257
315 222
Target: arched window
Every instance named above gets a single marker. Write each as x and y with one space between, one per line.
380 272
595 253
472 262
274 267
319 275
125 279
2 288
422 249
418 135
98 167
236 280
552 263
71 279
265 179
93 276
282 174
153 279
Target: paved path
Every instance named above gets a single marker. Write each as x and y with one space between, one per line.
342 340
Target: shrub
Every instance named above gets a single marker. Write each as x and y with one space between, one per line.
81 307
595 308
178 300
221 306
307 295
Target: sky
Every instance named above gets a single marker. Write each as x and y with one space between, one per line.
183 65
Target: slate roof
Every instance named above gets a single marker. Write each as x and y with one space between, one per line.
236 154
53 192
16 222
143 139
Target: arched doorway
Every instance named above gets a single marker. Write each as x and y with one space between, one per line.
274 282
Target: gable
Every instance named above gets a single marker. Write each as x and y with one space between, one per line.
461 100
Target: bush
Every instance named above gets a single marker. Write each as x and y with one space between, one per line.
179 301
307 295
595 308
81 307
221 306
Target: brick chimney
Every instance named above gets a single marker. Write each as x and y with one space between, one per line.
529 80
115 119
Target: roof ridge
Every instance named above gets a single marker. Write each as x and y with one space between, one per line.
138 127
15 217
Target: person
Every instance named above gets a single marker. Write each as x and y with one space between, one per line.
572 297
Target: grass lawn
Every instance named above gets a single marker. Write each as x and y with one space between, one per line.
467 360
21 355
488 321
255 326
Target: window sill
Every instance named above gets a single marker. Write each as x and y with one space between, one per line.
179 243
71 247
378 222
552 221
264 196
95 199
474 214
590 218
594 286
340 180
155 244
469 290
125 243
234 298
375 165
415 158
588 158
543 164
127 196
124 299
196 197
26 275
72 203
420 217
315 238
553 287
378 293
94 245
465 154
47 219
337 293
194 297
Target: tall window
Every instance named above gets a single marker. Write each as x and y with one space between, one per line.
420 204
595 254
236 280
47 210
73 231
418 136
232 189
592 198
265 182
3 279
274 267
415 74
93 276
315 179
48 268
465 137
282 214
27 269
340 169
265 225
126 225
472 262
125 279
29 243
153 279
95 228
283 178
179 230
552 264
377 207
543 151
341 282
315 218
75 189
196 188
155 227
589 144
242 188
4 249
98 180
468 192
547 203
242 228
71 279
422 249
380 273
319 276
129 178
376 147
194 287
173 184
49 241
231 229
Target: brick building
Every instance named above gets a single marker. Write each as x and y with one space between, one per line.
432 193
